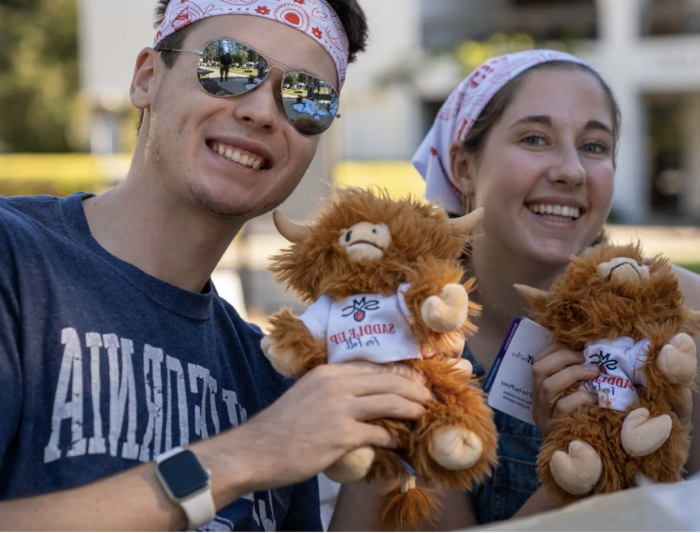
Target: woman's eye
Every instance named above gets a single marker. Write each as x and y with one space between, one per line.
595 148
533 140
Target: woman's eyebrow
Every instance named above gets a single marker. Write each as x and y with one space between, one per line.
598 125
547 120
540 119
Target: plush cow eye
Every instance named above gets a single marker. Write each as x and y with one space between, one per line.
374 231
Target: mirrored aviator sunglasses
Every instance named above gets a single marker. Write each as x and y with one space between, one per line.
228 68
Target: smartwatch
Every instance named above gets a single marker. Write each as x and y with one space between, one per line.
187 484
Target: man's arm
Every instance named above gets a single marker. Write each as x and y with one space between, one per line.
312 425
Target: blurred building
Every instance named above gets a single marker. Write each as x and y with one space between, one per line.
648 50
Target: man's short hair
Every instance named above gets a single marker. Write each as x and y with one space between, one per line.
349 12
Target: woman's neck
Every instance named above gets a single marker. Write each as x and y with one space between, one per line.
496 271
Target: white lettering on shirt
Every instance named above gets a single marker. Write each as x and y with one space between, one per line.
166 397
70 375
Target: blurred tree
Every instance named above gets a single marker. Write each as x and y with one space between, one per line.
38 74
253 56
240 57
291 79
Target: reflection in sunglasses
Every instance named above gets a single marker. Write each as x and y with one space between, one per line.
229 68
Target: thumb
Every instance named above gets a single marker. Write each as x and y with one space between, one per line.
463 365
683 404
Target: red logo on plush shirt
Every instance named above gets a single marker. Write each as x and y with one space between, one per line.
604 361
358 309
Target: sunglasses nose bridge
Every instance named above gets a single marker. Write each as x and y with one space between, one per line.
269 77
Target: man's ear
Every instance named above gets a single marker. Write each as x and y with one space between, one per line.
142 90
461 168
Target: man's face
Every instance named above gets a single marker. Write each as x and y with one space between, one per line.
187 125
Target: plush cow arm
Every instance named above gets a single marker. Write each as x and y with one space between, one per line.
291 346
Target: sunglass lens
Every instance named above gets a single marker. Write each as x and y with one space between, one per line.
310 103
228 68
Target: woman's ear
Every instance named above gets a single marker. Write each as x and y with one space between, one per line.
462 168
142 90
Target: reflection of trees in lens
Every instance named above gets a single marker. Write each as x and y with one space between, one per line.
291 79
208 55
219 49
253 56
303 78
240 56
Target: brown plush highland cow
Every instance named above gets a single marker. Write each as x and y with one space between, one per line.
382 278
626 313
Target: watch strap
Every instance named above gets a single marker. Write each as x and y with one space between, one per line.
199 509
166 455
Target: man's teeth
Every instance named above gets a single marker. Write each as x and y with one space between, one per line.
237 155
559 210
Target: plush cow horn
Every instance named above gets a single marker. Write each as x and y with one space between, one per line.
530 293
695 316
467 223
289 230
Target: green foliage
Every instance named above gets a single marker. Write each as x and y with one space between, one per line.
38 74
240 56
471 54
693 267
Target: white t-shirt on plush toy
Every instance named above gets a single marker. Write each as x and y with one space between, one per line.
367 327
620 362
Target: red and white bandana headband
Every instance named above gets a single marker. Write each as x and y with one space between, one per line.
313 17
458 114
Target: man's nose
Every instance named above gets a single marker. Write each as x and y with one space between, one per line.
259 108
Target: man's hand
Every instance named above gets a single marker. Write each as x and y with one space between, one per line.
557 368
323 416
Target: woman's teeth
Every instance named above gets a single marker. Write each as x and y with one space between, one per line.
237 155
563 211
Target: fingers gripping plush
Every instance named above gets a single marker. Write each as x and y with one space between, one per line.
383 283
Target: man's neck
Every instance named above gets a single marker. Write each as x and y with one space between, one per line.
142 224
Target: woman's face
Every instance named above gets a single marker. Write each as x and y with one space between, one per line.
545 173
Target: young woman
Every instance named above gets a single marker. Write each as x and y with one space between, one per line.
531 137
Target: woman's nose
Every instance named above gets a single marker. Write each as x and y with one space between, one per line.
568 169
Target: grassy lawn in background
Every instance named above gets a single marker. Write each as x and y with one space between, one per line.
694 267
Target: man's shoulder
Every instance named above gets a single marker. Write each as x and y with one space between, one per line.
35 227
26 212
22 218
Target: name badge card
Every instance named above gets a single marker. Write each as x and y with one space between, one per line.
509 383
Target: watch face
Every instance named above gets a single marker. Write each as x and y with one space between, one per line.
183 474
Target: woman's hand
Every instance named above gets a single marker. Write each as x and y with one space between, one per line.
556 369
683 407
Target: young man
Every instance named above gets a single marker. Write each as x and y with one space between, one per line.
114 346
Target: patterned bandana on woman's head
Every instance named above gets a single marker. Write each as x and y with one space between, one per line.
313 17
457 116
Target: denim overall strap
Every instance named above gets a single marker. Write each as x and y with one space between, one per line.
515 478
